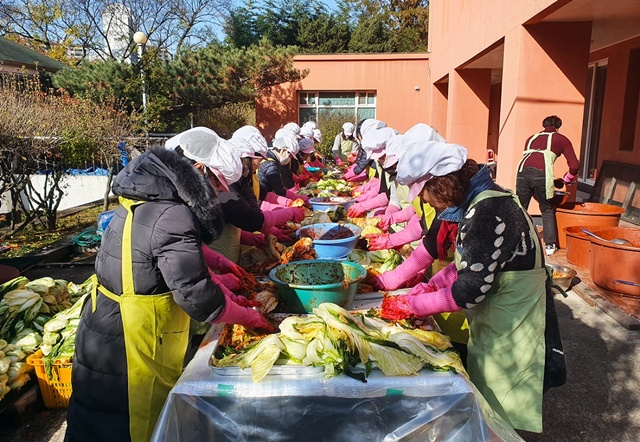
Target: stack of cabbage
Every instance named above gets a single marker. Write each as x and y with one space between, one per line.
340 341
379 260
59 340
25 308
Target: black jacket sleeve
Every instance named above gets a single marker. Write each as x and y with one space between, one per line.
239 213
270 179
361 162
178 250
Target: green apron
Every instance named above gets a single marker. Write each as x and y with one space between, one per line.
506 350
346 146
549 159
155 338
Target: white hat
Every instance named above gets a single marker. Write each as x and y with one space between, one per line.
417 133
203 145
285 141
249 142
393 150
311 124
348 129
375 141
317 135
306 131
367 125
423 160
306 145
293 127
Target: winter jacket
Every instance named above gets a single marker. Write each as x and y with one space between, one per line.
270 177
245 188
361 162
167 235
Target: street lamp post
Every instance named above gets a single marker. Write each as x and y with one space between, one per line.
140 38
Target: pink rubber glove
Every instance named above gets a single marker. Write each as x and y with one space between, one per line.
429 303
349 175
281 216
268 207
373 183
253 239
235 314
284 236
371 192
380 200
282 201
391 209
230 281
569 178
397 217
240 300
356 211
339 161
379 242
406 273
221 263
444 278
411 232
294 196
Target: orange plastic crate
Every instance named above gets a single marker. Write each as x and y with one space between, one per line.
57 390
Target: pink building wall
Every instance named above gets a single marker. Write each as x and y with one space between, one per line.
400 82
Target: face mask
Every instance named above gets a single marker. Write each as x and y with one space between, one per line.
283 156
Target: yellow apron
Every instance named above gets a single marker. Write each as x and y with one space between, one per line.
506 350
155 337
549 159
255 184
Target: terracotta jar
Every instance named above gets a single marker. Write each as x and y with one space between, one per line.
579 243
585 214
610 262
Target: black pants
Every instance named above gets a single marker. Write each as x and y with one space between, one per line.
531 181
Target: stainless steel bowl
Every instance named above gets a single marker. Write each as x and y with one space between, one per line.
562 276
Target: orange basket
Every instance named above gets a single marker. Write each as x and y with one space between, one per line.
57 390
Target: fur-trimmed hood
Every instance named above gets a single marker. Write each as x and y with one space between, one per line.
163 175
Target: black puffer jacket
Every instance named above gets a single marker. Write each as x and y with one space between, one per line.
168 231
270 176
245 188
361 162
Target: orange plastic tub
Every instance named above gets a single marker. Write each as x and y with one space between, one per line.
585 214
612 262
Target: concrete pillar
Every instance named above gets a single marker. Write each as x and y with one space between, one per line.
468 110
544 73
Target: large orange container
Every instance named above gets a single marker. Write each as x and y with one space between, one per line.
610 262
585 214
579 243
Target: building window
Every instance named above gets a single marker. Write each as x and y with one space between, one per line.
353 106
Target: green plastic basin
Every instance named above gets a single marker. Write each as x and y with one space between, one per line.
304 285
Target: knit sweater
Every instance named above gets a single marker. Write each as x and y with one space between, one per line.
493 237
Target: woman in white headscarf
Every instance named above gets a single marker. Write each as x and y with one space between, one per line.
498 278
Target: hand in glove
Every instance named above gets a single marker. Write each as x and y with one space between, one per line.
384 222
569 178
236 314
339 162
240 300
221 263
281 216
294 196
396 308
282 235
253 239
356 211
379 200
282 201
379 242
411 269
349 175
230 281
445 277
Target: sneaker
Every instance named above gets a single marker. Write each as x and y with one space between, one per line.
550 249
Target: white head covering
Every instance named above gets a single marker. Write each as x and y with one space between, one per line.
423 160
348 129
306 132
249 142
203 145
370 124
419 132
311 124
306 145
375 141
286 141
293 127
317 135
392 150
